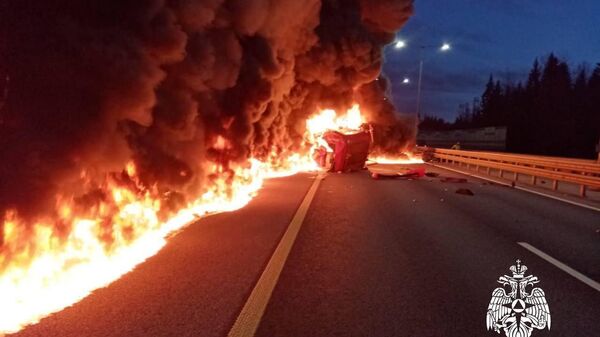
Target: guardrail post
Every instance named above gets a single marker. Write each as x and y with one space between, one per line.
533 180
516 176
487 170
501 173
554 185
582 190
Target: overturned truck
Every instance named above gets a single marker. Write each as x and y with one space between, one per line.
344 151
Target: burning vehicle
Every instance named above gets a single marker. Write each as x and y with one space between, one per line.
341 143
345 151
345 142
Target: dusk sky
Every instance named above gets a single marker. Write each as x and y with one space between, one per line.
487 37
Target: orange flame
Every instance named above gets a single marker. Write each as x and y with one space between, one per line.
52 263
328 119
403 159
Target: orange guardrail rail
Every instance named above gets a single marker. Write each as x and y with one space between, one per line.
583 172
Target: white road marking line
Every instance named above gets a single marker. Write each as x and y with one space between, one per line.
561 266
249 318
519 188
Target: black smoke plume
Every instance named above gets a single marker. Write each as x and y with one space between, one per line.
94 84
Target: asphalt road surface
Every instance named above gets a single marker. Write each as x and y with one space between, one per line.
385 257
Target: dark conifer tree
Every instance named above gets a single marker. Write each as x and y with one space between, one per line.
548 114
594 101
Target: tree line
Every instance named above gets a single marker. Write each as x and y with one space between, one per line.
552 113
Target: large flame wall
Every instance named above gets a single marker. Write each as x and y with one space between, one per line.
126 119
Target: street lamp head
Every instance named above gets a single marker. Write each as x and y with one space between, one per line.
406 80
400 44
445 47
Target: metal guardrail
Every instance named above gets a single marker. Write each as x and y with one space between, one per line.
583 172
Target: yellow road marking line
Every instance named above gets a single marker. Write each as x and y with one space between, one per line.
249 318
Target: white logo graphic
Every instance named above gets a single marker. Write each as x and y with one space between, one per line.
518 312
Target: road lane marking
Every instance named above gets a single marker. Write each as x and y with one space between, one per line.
561 266
249 318
519 188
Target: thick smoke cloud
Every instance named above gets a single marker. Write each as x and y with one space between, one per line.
177 84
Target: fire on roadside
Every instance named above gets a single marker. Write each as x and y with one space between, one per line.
402 159
52 262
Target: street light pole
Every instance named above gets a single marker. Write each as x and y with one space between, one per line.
401 44
419 88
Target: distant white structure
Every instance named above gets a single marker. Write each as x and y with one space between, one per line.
489 138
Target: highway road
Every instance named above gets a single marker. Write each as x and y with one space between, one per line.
385 257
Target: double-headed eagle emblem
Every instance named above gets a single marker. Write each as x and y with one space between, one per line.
518 312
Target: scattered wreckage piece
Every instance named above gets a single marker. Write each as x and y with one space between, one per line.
465 191
395 170
453 180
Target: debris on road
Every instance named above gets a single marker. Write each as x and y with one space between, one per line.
395 171
465 191
432 174
453 180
